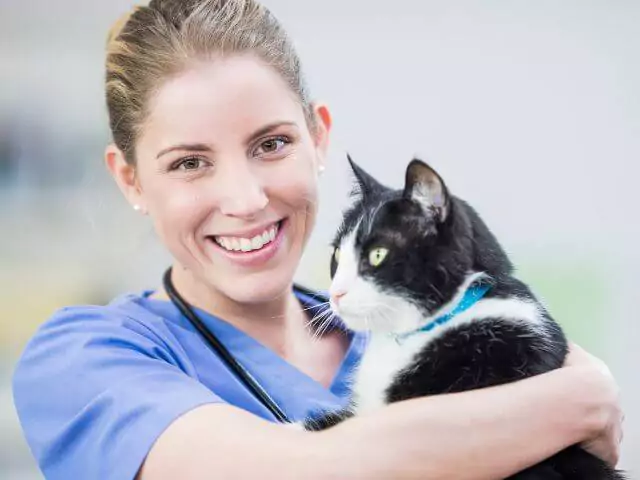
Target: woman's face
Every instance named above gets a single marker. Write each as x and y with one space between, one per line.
227 169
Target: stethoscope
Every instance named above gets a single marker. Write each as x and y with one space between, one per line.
241 373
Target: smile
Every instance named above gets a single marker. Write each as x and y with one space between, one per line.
257 242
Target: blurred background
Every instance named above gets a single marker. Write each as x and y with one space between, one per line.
529 110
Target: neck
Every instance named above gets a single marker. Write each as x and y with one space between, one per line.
279 323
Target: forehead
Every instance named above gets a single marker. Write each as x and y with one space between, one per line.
389 220
220 99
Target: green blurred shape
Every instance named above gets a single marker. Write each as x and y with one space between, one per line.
577 295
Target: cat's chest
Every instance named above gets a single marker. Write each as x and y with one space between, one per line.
383 360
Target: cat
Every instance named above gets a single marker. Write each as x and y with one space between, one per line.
420 271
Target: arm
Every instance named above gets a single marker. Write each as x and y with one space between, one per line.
482 434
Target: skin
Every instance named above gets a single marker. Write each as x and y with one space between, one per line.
252 160
237 179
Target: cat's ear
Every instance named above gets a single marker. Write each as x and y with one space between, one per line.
366 184
425 186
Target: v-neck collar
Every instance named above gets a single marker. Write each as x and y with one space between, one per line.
296 392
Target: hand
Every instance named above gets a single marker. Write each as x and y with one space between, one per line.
605 442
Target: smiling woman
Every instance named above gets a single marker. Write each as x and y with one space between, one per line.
216 139
234 147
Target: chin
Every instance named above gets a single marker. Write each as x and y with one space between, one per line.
258 287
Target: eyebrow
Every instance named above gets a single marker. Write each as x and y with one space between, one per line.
203 147
267 128
190 147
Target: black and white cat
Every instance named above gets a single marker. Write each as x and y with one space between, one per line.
420 271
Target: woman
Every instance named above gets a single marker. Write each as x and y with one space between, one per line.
216 139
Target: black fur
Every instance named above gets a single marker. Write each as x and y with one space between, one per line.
434 240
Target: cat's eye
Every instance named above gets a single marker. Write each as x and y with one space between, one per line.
377 256
336 254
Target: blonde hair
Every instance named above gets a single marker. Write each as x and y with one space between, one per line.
151 43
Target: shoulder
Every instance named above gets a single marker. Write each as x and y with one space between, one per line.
125 319
108 367
80 340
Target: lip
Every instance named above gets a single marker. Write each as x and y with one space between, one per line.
255 257
248 233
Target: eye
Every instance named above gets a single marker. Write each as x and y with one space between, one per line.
377 256
336 255
272 145
189 163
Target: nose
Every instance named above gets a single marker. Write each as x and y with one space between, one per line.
243 194
336 296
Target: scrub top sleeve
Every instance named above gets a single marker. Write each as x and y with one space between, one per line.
93 393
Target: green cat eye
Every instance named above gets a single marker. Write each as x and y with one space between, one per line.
377 256
336 254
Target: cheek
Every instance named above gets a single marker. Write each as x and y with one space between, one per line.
293 187
359 305
293 184
176 208
367 307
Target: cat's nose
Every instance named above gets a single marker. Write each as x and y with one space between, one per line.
336 296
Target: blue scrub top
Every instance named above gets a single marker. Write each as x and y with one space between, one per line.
97 385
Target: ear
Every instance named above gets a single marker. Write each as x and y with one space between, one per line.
125 176
366 184
425 186
321 132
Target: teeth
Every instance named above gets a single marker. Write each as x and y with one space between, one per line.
248 245
256 242
245 245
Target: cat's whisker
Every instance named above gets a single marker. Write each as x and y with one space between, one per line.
319 316
367 323
304 309
325 327
315 316
386 318
322 328
324 318
316 307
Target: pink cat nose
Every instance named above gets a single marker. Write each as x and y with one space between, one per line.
335 297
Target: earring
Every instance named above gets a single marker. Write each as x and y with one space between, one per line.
140 209
321 169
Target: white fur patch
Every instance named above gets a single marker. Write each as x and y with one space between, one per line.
346 273
385 357
379 366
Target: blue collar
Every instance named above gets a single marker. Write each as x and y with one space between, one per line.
473 294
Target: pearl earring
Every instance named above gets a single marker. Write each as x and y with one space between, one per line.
139 209
321 169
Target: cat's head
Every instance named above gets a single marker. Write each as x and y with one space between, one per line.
400 255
